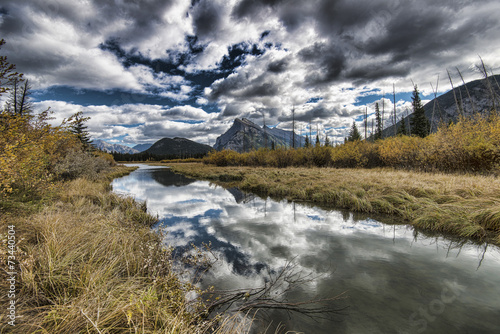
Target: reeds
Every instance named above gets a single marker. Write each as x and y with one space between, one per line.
89 263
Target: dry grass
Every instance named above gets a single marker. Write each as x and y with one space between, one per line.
89 263
463 205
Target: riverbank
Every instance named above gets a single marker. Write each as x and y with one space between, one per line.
461 205
86 260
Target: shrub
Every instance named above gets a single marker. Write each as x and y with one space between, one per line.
79 163
348 155
321 156
29 148
223 158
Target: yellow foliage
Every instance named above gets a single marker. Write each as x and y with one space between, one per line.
29 146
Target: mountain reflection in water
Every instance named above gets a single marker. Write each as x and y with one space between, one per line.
397 280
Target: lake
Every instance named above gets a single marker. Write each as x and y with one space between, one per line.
393 279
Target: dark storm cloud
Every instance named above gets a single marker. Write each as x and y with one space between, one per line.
319 112
374 71
262 89
242 87
206 18
231 110
278 66
251 8
327 61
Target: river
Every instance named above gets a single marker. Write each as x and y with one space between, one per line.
392 279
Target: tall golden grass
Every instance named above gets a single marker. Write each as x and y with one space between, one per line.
90 263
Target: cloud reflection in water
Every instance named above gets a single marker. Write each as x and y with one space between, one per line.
389 273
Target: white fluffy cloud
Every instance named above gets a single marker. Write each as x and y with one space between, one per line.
140 123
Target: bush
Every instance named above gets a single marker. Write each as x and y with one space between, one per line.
29 147
223 158
79 163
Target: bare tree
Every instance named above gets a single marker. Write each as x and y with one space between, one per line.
454 94
467 90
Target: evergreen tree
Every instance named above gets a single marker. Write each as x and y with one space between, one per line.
307 143
327 141
419 122
7 73
354 134
317 141
402 128
378 120
78 127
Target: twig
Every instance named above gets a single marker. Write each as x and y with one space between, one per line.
93 324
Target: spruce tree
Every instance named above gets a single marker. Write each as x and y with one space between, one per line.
317 141
78 127
419 122
307 143
402 128
354 134
327 141
378 120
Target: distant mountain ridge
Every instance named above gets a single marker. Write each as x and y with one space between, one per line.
142 147
180 147
244 135
110 148
443 109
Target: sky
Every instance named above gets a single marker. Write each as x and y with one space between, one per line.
145 70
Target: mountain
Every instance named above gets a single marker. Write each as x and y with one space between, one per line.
443 109
244 135
142 147
180 147
110 148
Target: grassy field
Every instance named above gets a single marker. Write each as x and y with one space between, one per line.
461 205
87 261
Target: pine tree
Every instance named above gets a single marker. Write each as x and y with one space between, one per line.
327 141
354 134
317 141
419 122
307 144
78 127
402 128
378 120
7 73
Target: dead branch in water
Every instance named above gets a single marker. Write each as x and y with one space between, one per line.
272 295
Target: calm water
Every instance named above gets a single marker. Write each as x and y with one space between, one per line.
396 280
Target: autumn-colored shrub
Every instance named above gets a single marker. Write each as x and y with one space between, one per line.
29 148
349 155
469 145
223 158
321 156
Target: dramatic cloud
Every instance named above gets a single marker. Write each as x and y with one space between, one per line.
202 62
